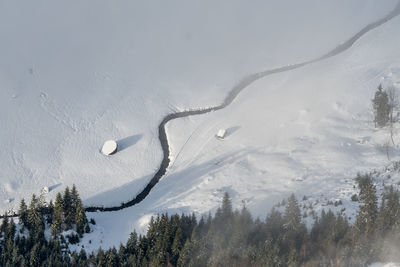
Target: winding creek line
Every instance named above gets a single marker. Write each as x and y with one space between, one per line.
243 84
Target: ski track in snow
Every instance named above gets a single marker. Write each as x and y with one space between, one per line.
232 95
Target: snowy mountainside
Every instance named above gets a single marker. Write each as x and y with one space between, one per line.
73 75
307 131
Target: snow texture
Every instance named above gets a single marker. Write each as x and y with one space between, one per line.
73 74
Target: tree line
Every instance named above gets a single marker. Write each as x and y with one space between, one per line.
25 243
234 238
228 238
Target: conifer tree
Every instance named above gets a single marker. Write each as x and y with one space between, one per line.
111 258
367 215
10 231
292 214
23 212
41 201
275 224
58 216
82 255
15 259
74 197
80 218
50 211
34 259
100 257
177 245
131 244
392 210
389 213
185 255
381 107
4 224
226 207
69 212
75 259
35 222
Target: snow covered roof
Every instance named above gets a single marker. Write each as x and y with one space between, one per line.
109 147
221 133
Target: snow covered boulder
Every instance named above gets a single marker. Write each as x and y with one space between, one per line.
110 147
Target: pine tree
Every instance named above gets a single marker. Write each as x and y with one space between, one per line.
381 107
295 231
75 259
75 199
177 245
341 229
274 225
10 231
15 259
365 227
50 211
41 202
392 209
69 212
23 212
111 258
122 255
293 260
58 216
4 224
292 214
269 254
368 213
185 255
35 219
131 244
224 218
245 221
100 257
82 255
35 256
389 213
226 207
80 218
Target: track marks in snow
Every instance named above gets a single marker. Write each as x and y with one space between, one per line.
50 107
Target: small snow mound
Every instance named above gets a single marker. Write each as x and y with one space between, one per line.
109 147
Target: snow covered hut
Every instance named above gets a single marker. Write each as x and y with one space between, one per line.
45 190
221 134
110 147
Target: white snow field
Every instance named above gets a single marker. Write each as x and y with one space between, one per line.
75 74
385 265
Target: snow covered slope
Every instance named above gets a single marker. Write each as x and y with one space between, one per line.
75 74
